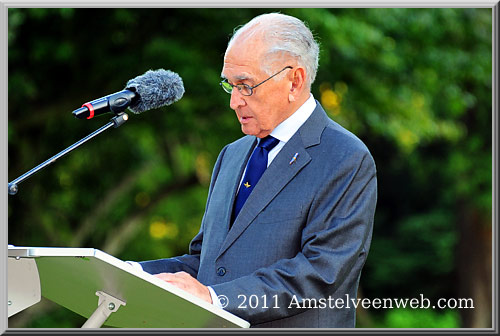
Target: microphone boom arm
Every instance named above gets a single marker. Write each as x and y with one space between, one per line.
115 122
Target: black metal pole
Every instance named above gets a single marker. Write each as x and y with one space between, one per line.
115 122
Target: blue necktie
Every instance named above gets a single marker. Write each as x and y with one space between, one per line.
255 168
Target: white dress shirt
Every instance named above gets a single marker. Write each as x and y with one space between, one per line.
284 131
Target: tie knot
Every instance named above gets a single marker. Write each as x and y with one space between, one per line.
268 142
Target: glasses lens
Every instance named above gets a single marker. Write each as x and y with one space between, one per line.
227 87
245 89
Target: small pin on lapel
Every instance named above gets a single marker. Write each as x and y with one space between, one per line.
294 158
246 184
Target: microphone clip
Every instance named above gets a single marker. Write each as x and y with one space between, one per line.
119 119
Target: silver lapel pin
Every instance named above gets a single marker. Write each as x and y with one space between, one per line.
294 158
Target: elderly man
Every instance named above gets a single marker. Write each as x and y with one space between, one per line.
289 215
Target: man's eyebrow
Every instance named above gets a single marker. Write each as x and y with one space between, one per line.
242 77
238 77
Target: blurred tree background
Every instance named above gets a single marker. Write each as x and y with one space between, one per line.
414 84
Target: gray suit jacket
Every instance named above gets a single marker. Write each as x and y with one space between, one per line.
300 241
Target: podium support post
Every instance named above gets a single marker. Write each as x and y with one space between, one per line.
107 304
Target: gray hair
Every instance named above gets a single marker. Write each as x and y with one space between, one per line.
285 36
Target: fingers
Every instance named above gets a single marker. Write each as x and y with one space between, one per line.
181 280
186 282
179 276
176 279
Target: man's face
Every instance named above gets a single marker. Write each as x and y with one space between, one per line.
268 106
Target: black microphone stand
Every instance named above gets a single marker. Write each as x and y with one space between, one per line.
115 122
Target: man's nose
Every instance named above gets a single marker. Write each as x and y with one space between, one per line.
236 99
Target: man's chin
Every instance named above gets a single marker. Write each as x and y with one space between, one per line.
249 130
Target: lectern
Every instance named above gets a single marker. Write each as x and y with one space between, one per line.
105 290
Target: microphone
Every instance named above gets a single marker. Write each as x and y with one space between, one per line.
153 89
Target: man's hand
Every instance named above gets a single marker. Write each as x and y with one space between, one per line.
186 282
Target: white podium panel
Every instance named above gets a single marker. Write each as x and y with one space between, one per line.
23 284
71 277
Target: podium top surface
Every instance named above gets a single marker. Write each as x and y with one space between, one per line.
21 251
71 277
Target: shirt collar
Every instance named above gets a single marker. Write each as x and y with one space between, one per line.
291 125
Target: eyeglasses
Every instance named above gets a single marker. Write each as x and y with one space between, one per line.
245 89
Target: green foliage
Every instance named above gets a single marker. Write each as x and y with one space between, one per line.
413 84
412 253
421 318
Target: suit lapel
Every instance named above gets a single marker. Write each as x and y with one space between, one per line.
239 157
277 175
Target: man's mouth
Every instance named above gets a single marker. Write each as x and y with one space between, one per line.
244 119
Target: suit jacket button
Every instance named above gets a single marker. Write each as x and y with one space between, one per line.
221 271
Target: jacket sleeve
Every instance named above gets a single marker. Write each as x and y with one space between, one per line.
189 262
334 244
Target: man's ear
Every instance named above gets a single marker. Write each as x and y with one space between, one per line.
298 80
